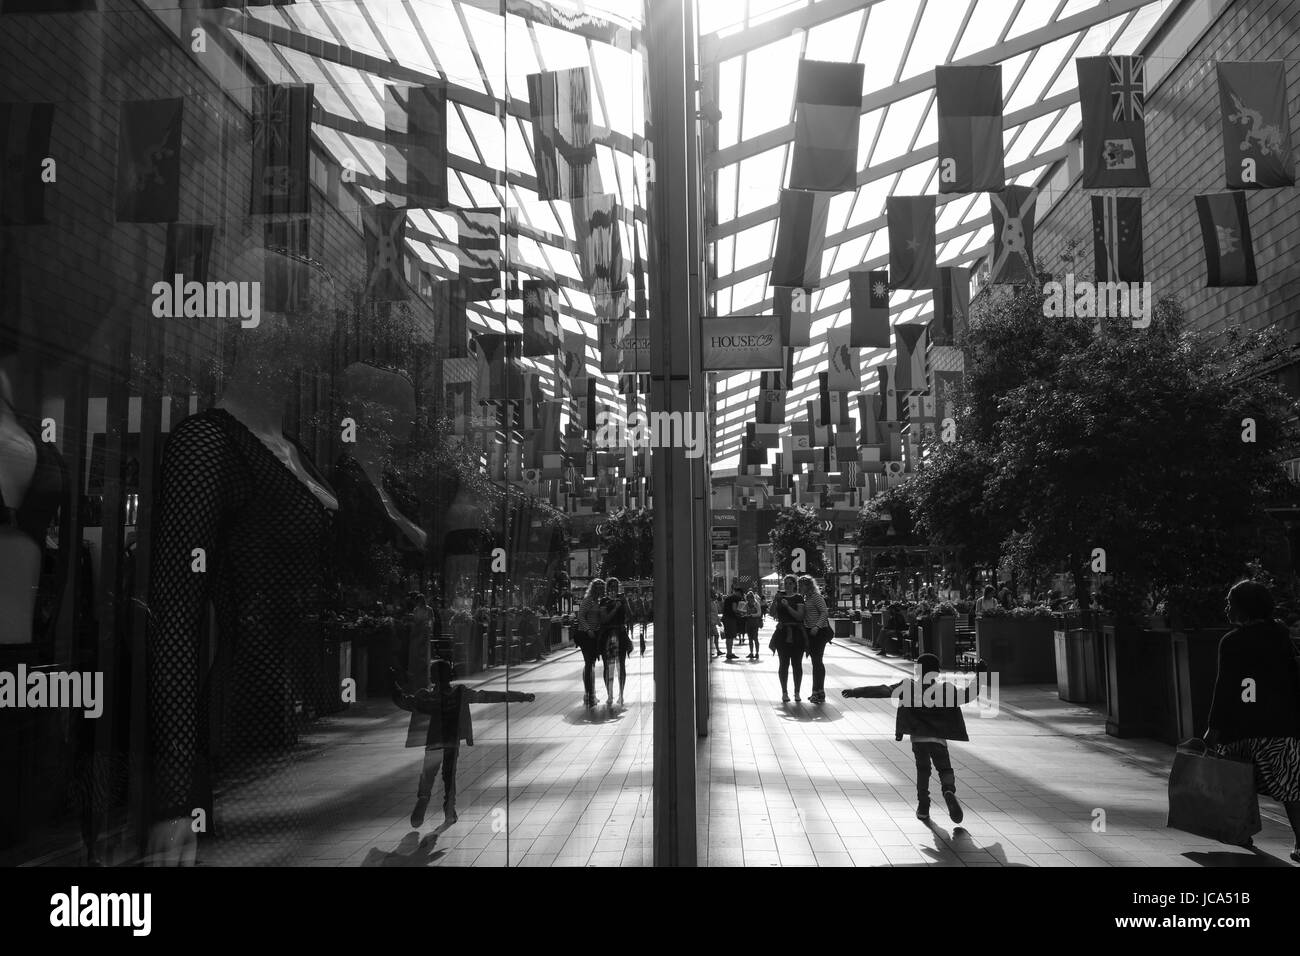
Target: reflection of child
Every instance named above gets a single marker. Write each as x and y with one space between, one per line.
444 706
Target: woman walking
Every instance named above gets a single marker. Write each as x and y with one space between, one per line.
1263 727
590 618
753 618
615 642
788 641
816 624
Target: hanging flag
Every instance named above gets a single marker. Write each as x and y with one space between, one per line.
793 307
754 452
800 236
625 346
1225 232
1112 93
188 252
843 361
969 100
1013 235
740 343
564 149
543 334
500 377
911 242
386 254
24 145
449 314
286 279
1117 238
951 305
478 239
149 160
832 407
415 145
770 407
281 148
911 369
885 388
599 232
828 105
641 303
869 308
1256 125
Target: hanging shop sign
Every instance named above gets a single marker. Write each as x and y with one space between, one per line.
747 342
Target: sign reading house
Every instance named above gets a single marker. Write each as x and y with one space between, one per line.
743 342
625 346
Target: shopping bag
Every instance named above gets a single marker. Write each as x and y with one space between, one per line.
1213 797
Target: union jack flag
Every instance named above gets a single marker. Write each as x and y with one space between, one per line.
1127 87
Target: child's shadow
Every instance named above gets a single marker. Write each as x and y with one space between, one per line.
600 714
963 843
805 713
1240 858
410 851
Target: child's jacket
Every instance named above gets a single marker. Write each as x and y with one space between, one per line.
926 711
437 720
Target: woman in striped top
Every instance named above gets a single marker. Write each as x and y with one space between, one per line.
816 622
590 619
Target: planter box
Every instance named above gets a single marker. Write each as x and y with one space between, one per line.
1080 667
1196 665
843 626
1018 650
939 637
1140 691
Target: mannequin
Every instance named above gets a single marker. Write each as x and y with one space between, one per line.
244 524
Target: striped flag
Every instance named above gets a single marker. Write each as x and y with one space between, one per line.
951 305
969 101
885 388
599 232
828 104
149 160
794 309
1225 232
543 334
415 145
1117 238
1013 235
1256 121
842 361
770 407
563 145
449 314
912 262
1112 94
912 367
282 148
869 308
478 240
800 236
24 145
386 254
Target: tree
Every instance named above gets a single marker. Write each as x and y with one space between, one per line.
627 537
798 527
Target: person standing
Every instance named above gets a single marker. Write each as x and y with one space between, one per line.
731 616
647 615
817 627
753 618
590 619
615 643
788 640
1262 726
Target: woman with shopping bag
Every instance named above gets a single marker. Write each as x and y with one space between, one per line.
1255 714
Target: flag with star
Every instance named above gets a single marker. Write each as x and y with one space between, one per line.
1225 233
282 148
149 160
415 145
800 237
1112 99
1117 238
1013 235
951 305
912 370
869 308
912 262
564 146
828 104
478 244
969 100
386 255
1256 123
25 130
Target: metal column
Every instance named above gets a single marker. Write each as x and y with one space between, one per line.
677 385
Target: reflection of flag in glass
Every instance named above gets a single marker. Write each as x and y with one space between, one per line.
796 323
449 314
24 144
499 374
599 232
911 241
281 148
386 254
770 406
542 332
1111 97
828 103
843 361
911 369
415 145
478 239
1256 125
888 393
189 250
800 236
149 160
869 308
969 100
287 276
1013 235
1225 231
1117 238
951 305
563 146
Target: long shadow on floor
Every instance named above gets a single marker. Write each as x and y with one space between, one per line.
806 713
600 714
411 850
1255 857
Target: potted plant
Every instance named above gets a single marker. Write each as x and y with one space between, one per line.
1018 644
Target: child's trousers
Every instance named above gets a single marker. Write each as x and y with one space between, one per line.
435 757
926 753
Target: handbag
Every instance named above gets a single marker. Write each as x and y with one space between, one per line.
1212 796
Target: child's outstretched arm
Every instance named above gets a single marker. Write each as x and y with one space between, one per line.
871 690
972 689
498 696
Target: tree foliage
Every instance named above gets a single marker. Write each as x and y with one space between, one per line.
797 527
627 537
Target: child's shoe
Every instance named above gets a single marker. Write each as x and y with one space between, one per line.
954 808
923 810
417 815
